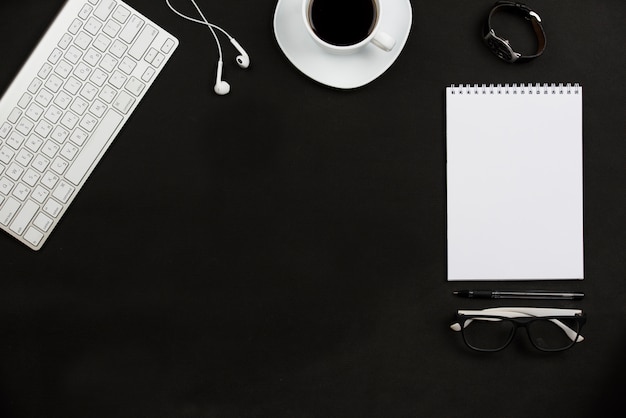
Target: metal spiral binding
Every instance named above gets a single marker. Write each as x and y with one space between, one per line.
515 89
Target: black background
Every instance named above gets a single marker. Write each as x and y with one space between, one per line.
281 251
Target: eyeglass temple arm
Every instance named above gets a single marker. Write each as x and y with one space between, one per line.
536 312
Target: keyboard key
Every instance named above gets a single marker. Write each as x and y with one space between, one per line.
54 83
147 75
34 85
25 100
82 71
40 163
102 43
89 91
93 26
141 45
6 186
105 8
124 102
78 137
75 26
118 48
98 77
60 134
108 63
34 112
94 146
150 55
8 211
73 54
14 172
82 40
111 28
63 191
24 126
63 100
65 41
53 114
40 194
97 108
24 157
33 143
4 130
42 222
131 29
14 115
55 56
107 94
92 57
21 192
135 86
33 236
45 70
15 140
6 154
85 11
31 177
50 149
50 180
52 208
44 97
43 128
24 217
59 165
72 86
167 46
69 120
79 106
127 65
118 79
69 151
88 122
121 14
158 60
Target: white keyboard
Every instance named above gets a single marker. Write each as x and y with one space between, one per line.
67 104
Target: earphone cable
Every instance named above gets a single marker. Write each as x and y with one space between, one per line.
204 21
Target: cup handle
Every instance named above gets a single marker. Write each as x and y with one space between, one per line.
384 41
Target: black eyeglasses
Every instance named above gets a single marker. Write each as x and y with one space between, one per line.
493 329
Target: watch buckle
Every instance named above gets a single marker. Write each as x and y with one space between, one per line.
535 15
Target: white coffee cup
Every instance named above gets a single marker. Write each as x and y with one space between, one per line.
332 16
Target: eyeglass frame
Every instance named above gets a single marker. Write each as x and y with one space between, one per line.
522 317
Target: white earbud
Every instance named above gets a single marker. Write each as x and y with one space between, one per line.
221 87
243 60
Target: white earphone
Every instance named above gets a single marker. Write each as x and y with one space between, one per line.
243 60
221 86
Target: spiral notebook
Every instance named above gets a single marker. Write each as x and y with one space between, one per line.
514 182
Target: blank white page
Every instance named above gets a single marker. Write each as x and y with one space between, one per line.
514 182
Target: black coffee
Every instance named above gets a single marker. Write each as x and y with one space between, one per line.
342 22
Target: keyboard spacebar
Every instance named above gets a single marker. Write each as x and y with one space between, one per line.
99 138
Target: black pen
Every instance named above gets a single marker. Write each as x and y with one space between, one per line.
518 294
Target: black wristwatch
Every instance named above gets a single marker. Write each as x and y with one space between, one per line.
500 46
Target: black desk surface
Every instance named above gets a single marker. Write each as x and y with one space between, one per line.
281 251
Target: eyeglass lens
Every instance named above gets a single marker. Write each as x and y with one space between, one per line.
488 333
547 335
492 334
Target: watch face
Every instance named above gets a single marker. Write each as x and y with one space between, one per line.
501 47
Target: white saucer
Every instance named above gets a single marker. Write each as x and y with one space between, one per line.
341 71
